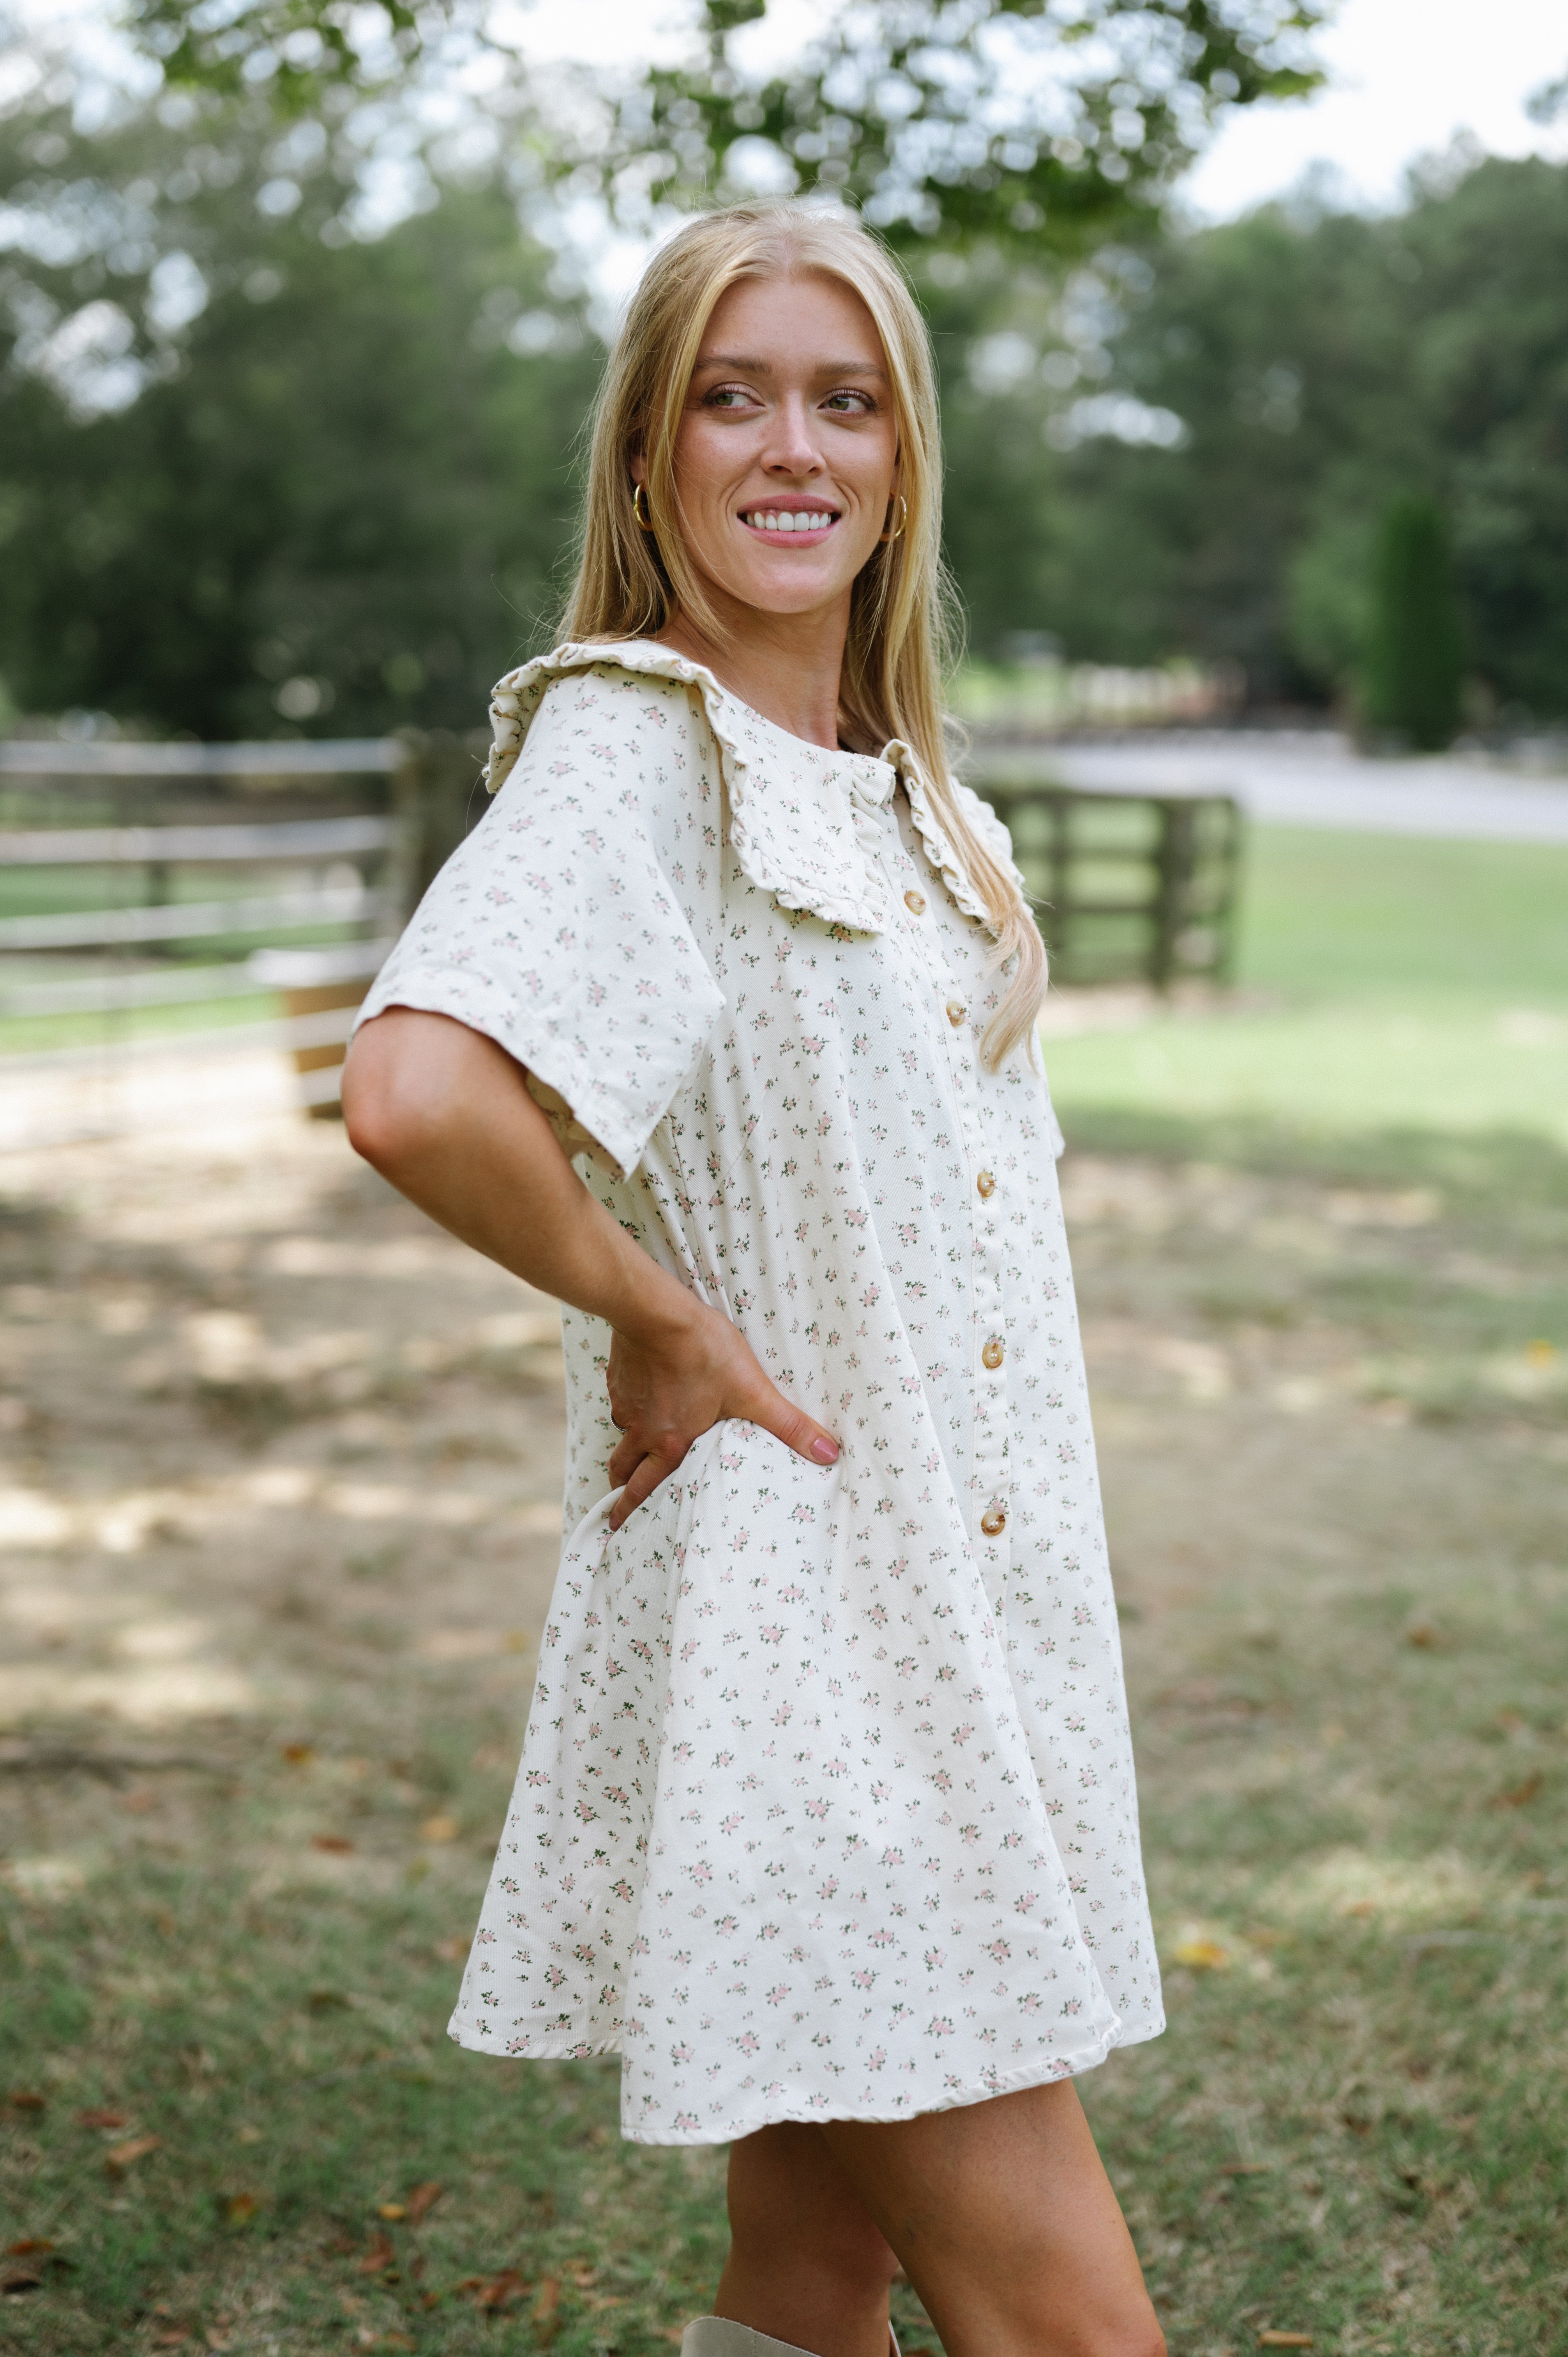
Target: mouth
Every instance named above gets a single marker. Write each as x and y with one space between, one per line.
796 520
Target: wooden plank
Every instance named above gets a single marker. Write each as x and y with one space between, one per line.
114 846
322 757
193 920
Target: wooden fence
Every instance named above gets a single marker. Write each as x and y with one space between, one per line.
154 896
1127 885
171 915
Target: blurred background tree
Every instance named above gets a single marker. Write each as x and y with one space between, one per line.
1186 447
260 467
276 464
1414 674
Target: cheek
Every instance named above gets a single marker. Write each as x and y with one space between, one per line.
700 466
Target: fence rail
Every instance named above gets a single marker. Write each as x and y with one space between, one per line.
308 857
1124 884
1127 885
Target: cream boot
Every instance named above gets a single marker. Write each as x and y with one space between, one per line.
715 2336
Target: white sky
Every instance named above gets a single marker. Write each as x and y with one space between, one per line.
1405 76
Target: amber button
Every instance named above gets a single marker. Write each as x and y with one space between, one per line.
956 1012
986 1184
993 1353
915 902
993 1524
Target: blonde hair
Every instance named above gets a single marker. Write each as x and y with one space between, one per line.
628 584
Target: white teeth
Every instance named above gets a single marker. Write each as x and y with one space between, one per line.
804 521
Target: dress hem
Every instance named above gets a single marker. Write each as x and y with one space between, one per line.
1034 2074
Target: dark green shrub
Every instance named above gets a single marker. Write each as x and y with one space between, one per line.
1415 664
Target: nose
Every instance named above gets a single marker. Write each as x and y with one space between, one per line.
791 447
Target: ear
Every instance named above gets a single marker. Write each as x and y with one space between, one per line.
639 464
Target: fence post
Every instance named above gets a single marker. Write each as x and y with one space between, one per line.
435 792
1173 866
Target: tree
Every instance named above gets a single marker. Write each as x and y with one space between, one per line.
1186 447
1049 123
1414 678
256 472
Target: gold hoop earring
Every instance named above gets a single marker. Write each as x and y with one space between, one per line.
640 508
887 539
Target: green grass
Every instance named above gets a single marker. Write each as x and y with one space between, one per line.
1324 1284
1384 983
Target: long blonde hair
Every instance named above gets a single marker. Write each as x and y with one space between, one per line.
628 584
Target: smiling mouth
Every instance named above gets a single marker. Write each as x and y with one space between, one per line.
813 522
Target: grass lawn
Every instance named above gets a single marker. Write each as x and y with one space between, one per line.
276 1470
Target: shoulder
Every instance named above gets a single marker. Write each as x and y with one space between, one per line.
628 703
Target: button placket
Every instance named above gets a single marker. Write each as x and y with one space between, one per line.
989 1489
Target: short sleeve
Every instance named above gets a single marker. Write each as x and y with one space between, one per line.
555 931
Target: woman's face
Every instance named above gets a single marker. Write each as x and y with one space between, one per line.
785 456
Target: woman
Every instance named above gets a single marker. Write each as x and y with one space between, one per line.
720 1029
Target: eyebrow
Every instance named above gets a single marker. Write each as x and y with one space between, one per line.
746 365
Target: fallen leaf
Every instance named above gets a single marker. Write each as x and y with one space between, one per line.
29 2247
1202 1955
544 2316
121 2156
440 1829
1421 1634
14 2281
451 1951
393 2209
99 2119
1285 2341
299 1754
336 1845
22 2099
1517 1794
322 2000
495 2292
421 2201
174 2337
241 2208
378 2257
247 2135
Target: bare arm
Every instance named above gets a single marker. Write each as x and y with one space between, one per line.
443 1113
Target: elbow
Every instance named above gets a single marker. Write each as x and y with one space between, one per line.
388 1115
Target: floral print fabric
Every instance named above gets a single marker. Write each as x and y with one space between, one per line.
826 1807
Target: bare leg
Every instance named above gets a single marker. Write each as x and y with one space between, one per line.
999 2211
1006 2224
808 2264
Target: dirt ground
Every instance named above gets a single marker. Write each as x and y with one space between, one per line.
279 1492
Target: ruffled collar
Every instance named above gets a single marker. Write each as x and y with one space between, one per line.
803 829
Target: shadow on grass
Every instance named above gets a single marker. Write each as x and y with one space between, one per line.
1485 1173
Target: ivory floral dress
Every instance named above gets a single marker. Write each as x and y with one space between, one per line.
826 1806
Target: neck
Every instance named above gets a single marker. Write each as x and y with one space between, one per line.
785 666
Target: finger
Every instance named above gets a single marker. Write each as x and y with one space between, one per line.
641 1484
797 1430
627 1455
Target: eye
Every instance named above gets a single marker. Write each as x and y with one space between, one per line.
850 403
728 397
